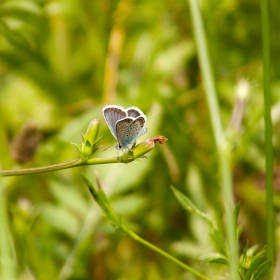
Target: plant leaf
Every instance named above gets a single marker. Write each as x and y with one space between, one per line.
215 258
244 253
215 232
236 213
190 207
262 270
254 264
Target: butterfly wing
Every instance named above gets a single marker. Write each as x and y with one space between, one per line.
128 130
122 130
134 112
142 131
112 114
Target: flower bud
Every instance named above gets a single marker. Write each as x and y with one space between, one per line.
246 263
143 148
88 146
92 132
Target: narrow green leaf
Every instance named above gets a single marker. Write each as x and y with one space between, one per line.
216 258
241 275
215 233
90 186
190 207
102 200
244 255
254 264
262 270
236 213
218 238
78 146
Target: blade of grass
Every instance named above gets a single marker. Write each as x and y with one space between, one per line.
224 160
7 263
268 131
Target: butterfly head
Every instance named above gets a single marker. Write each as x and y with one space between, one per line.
118 146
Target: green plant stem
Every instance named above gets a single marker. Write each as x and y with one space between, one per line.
7 260
161 252
59 166
268 131
224 159
100 197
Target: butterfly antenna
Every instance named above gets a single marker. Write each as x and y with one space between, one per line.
108 148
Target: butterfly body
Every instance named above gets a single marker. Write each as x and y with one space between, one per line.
126 125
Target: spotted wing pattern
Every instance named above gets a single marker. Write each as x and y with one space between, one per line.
128 130
112 114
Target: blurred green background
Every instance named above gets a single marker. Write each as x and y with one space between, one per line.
60 63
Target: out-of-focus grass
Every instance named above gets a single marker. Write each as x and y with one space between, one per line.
52 70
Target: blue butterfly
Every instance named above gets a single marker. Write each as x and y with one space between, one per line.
125 125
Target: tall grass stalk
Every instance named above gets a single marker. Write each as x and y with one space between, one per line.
268 130
7 262
224 159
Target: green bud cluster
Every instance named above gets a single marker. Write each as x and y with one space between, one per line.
89 145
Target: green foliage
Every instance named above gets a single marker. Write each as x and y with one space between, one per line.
214 231
253 267
216 258
60 63
102 200
89 146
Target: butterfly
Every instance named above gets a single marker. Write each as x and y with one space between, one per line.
126 125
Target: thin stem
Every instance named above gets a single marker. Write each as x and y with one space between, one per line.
34 170
138 151
161 252
59 166
100 197
205 66
268 131
224 160
8 263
